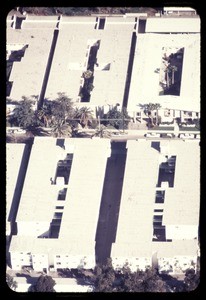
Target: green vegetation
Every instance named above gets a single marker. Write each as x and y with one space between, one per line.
106 279
44 284
11 282
116 118
61 128
191 280
148 110
102 131
188 129
173 71
86 11
162 128
24 115
84 115
60 118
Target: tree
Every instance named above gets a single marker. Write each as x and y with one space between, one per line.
24 115
149 108
167 71
191 279
104 277
142 281
11 282
44 283
117 119
197 123
84 114
62 108
173 69
44 115
102 132
87 74
61 128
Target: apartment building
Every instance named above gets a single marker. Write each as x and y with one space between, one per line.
166 68
59 211
60 202
101 61
101 45
159 212
39 48
28 48
14 155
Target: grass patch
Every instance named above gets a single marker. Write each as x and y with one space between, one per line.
162 128
189 129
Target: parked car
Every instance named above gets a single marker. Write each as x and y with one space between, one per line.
20 131
170 135
187 135
16 130
167 135
152 134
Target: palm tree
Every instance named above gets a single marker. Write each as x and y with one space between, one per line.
167 70
149 108
23 114
61 108
174 69
102 132
11 282
84 114
87 74
43 116
60 128
157 106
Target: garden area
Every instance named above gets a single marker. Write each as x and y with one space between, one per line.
85 91
171 71
87 11
59 118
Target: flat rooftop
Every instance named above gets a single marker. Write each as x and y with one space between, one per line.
145 79
181 204
28 74
81 205
76 36
173 25
14 154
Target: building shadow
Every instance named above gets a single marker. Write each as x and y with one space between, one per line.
110 202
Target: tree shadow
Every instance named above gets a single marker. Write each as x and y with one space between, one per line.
174 284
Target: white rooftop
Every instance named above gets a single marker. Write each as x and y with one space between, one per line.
14 153
76 35
181 205
145 86
82 203
178 8
140 180
183 201
28 74
173 25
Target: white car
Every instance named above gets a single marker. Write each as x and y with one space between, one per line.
20 131
152 135
187 135
169 135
